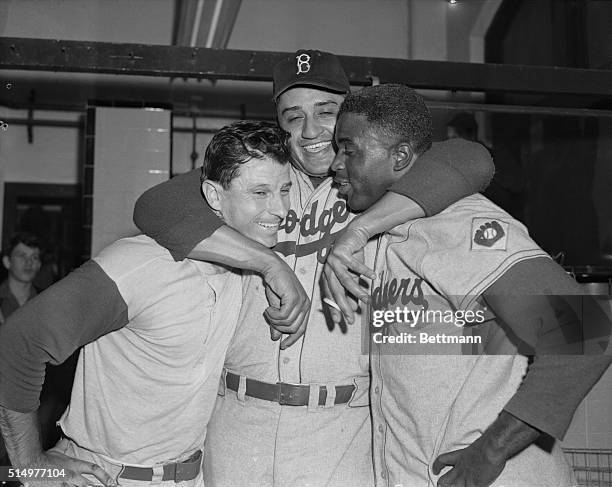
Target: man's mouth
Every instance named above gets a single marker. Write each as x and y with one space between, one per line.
343 184
318 147
269 226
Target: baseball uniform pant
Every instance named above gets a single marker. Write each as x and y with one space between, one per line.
114 469
256 442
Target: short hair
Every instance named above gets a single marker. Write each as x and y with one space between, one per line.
398 111
25 238
238 143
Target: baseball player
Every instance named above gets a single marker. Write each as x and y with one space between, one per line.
154 331
432 405
298 415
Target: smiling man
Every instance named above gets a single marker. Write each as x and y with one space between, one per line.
154 334
317 389
480 411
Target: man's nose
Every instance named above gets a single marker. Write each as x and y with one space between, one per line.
278 206
337 164
311 128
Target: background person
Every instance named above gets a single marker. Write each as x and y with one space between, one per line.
22 261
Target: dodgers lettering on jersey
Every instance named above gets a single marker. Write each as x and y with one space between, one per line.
316 217
327 355
313 223
430 396
390 292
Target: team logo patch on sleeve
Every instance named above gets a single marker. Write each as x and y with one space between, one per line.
489 234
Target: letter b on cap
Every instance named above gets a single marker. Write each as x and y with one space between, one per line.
303 63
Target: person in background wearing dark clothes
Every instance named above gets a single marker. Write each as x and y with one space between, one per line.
22 261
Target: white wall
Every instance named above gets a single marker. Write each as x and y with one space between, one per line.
140 21
51 158
131 154
350 27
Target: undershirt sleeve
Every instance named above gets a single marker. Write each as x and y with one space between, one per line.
447 172
80 308
554 385
176 215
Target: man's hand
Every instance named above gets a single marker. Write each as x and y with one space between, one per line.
483 461
474 466
22 439
334 309
342 269
71 468
289 304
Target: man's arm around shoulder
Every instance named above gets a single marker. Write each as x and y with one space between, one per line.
48 329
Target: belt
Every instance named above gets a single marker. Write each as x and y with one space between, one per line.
287 394
179 472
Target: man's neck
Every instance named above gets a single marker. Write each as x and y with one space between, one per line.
317 180
21 290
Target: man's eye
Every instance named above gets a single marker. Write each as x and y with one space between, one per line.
285 191
294 118
259 193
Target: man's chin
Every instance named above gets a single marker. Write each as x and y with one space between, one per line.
315 166
357 204
267 242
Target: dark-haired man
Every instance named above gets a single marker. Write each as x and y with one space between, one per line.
22 261
154 332
299 415
433 404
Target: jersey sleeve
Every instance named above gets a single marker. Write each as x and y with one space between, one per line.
470 247
175 214
447 172
144 274
83 306
555 384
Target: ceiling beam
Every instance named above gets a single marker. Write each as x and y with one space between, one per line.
186 62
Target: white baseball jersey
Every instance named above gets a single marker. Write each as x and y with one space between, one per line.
433 388
256 442
143 394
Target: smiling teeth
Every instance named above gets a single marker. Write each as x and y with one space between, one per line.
268 226
316 147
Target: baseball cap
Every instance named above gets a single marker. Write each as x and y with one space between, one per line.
310 68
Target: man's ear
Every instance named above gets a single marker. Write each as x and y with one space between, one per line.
212 191
6 262
403 157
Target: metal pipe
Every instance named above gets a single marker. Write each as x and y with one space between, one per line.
196 24
214 23
43 123
518 109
